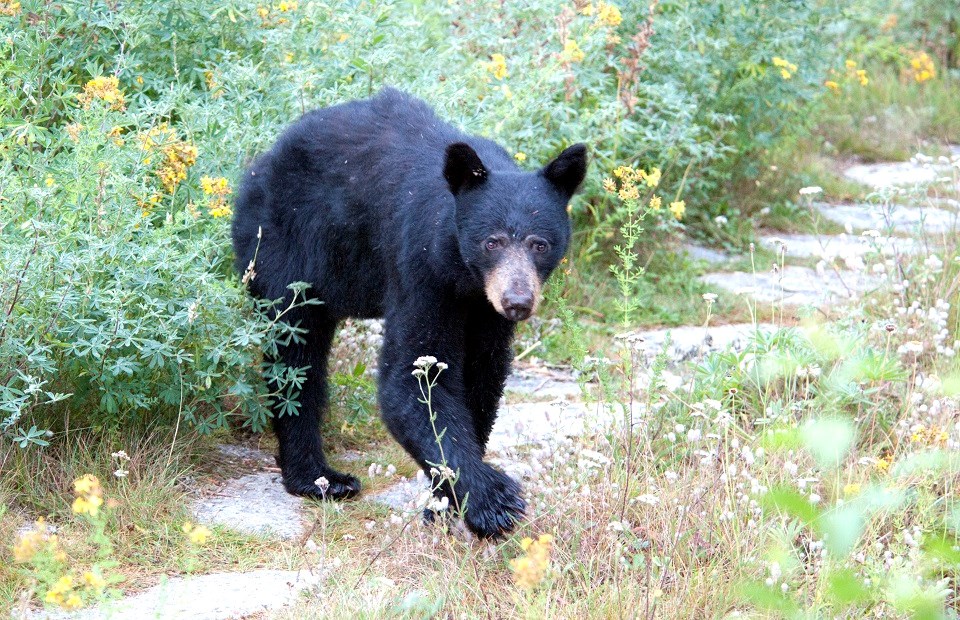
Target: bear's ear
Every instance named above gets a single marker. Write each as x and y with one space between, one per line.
463 169
566 172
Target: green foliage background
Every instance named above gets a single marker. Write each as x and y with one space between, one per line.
117 313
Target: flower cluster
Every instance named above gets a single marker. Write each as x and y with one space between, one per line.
106 89
196 534
629 183
529 569
497 66
36 541
921 67
217 189
89 495
9 8
606 14
572 52
787 68
859 74
176 155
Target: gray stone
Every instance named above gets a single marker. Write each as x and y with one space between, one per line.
885 175
243 453
402 496
692 342
254 504
708 255
796 286
829 247
523 424
543 382
219 596
902 219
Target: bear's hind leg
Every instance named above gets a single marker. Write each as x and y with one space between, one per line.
301 459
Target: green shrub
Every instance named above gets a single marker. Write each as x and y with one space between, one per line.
119 299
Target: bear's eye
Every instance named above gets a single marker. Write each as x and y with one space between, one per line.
492 243
538 245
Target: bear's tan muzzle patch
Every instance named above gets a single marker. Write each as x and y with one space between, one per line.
513 286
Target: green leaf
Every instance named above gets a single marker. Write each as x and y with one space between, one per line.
845 588
828 440
792 502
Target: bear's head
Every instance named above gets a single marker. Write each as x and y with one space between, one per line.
512 226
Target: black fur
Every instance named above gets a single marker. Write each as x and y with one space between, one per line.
358 200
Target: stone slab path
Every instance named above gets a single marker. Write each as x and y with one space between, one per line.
796 286
843 246
842 274
217 596
908 220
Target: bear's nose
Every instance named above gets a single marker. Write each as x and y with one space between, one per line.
517 306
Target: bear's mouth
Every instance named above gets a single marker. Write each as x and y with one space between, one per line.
513 286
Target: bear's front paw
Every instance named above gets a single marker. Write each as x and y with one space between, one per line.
338 485
494 504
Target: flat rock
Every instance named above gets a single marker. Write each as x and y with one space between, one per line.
253 504
218 596
691 342
841 246
883 175
522 424
542 382
795 286
708 255
402 496
901 219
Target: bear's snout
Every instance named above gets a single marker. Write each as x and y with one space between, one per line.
517 304
513 285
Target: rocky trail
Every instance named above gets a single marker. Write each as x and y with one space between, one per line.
544 404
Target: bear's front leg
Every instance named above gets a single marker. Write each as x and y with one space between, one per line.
442 437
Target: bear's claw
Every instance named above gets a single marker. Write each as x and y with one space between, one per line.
340 486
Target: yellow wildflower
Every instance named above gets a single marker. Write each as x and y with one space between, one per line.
57 591
851 489
107 89
139 79
629 192
787 68
498 66
48 181
587 10
862 77
197 534
214 186
263 12
652 178
624 172
94 580
851 64
884 463
288 57
656 203
609 185
608 15
9 8
572 51
87 505
529 569
31 542
73 602
283 7
922 67
678 208
86 484
832 85
520 156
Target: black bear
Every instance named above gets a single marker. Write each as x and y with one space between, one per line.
387 211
